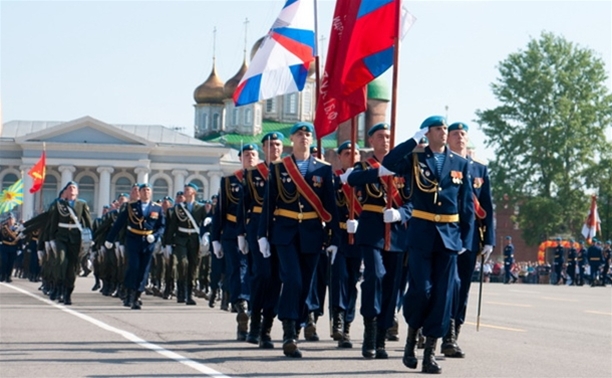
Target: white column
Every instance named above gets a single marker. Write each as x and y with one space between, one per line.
104 187
215 182
179 179
67 171
28 198
143 174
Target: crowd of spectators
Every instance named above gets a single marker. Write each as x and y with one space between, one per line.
528 272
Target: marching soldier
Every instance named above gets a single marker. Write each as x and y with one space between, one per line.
607 255
572 257
9 244
509 261
184 239
347 262
583 261
299 197
595 254
483 239
441 227
67 221
383 264
229 242
265 280
144 224
558 261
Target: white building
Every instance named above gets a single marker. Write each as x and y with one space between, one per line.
105 160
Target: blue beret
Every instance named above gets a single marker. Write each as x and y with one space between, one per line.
303 126
214 196
137 185
458 126
572 240
70 183
168 198
433 121
595 240
508 237
10 215
180 193
144 185
192 185
247 147
346 145
123 195
275 135
379 126
608 242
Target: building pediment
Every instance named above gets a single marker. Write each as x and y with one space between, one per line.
85 130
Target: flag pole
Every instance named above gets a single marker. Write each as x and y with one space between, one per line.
317 72
351 199
42 188
396 55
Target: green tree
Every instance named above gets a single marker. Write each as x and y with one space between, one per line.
549 130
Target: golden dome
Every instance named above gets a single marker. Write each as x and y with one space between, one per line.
211 91
231 85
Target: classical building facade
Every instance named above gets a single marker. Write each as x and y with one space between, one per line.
106 160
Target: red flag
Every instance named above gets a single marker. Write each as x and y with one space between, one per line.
372 39
592 222
334 107
38 172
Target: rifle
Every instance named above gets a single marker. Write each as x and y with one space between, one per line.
481 232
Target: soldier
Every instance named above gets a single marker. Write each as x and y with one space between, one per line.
229 242
204 270
96 250
183 236
559 258
159 256
217 268
595 254
265 280
299 197
347 262
583 261
67 221
144 224
441 227
9 244
383 264
572 256
509 261
483 239
607 255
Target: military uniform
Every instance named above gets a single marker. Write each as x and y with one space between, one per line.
572 257
595 255
559 259
68 219
295 205
144 224
508 262
441 226
9 244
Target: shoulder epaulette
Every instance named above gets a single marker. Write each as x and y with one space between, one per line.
322 161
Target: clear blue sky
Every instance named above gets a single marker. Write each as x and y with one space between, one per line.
139 62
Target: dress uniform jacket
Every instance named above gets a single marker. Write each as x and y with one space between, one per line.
63 227
483 202
225 223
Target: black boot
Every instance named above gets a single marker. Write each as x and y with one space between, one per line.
225 301
189 297
310 331
345 342
430 366
167 289
290 347
212 298
338 324
265 340
53 292
96 285
393 332
368 349
136 304
60 293
420 339
410 359
127 301
255 329
381 336
67 296
449 345
242 318
180 291
458 352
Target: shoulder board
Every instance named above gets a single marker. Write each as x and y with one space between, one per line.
459 156
322 161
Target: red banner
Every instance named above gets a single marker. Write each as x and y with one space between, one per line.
38 172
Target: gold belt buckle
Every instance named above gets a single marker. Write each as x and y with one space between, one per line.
437 217
300 217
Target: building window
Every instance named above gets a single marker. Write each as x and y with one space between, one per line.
200 193
292 103
123 185
204 122
9 179
87 190
216 120
235 117
271 105
160 188
307 98
248 114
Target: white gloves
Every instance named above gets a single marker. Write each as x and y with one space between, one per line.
108 245
20 228
205 242
462 251
218 251
351 226
21 236
345 175
243 246
150 238
420 134
41 256
486 251
382 171
332 250
168 252
207 221
391 216
264 247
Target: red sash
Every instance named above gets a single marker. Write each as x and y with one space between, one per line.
305 189
394 193
240 174
263 170
480 212
348 193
